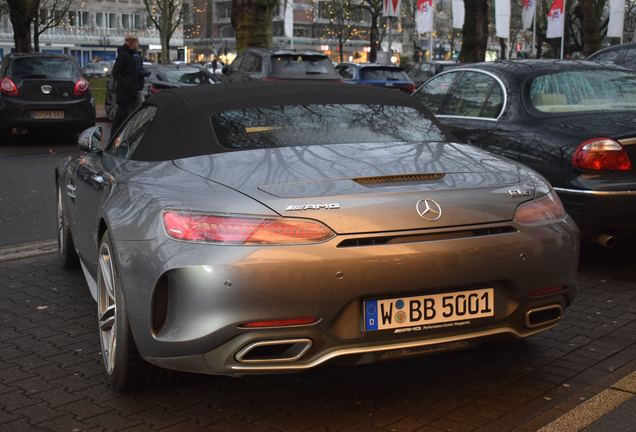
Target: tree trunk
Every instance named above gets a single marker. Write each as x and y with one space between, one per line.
252 22
373 39
591 30
36 34
475 31
341 50
21 14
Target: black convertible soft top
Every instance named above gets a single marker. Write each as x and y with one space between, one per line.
182 126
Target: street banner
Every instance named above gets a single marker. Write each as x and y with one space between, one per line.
616 18
502 18
527 12
555 20
424 16
391 8
289 18
458 14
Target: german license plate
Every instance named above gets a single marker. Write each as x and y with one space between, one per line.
47 115
428 311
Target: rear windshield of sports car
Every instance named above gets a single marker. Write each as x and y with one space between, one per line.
42 68
383 74
584 91
305 125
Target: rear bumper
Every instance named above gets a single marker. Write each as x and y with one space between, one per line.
78 114
601 212
212 290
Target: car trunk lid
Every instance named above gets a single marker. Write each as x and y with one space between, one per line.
356 188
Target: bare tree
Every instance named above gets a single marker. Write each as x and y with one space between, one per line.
374 8
475 31
344 22
21 13
166 16
49 14
252 22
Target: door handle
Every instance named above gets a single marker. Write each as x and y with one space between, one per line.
70 190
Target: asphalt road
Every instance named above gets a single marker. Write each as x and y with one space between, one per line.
27 186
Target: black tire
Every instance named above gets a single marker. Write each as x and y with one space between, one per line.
125 368
65 248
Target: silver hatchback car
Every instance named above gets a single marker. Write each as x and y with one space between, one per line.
263 228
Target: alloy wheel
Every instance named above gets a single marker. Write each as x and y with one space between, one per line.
107 307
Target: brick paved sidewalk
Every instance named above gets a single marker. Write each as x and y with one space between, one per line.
51 375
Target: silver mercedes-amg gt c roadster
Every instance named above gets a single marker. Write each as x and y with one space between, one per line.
262 228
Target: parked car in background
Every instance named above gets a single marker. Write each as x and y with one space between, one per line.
621 55
268 65
163 76
44 92
377 75
99 69
422 72
251 229
572 121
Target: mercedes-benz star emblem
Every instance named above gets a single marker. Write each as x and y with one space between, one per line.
428 209
46 89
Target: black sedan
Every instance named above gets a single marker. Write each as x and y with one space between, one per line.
44 92
574 122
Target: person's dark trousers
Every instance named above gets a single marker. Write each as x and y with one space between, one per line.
123 110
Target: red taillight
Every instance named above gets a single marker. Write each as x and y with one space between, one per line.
243 230
8 87
81 87
544 210
268 79
154 89
281 322
601 154
545 291
410 88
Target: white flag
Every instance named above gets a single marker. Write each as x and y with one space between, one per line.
616 18
502 18
424 16
527 12
458 14
391 8
555 20
289 19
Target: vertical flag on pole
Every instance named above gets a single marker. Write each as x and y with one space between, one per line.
502 18
616 18
424 16
391 8
289 18
458 14
556 20
527 12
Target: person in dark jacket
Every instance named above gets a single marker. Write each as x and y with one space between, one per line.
126 78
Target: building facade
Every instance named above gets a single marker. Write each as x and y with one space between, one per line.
93 29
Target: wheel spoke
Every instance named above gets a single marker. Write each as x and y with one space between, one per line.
107 276
107 319
112 341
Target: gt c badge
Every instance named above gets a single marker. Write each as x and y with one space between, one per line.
46 89
514 193
330 206
428 209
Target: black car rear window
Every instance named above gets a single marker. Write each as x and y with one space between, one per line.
43 67
383 74
184 76
302 65
305 125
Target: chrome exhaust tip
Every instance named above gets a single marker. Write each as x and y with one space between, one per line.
274 351
607 240
544 315
19 131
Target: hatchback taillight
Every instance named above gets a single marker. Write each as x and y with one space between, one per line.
154 89
81 87
601 154
8 87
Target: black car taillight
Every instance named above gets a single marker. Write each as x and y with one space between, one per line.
81 87
8 87
601 154
154 89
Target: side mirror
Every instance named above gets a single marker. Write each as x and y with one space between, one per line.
91 139
225 70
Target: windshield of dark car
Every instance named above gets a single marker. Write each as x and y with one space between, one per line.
301 65
584 90
304 125
42 67
184 76
383 74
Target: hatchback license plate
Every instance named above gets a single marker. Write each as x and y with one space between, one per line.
428 310
46 115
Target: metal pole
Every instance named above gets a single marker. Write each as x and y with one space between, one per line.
534 31
563 27
388 23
